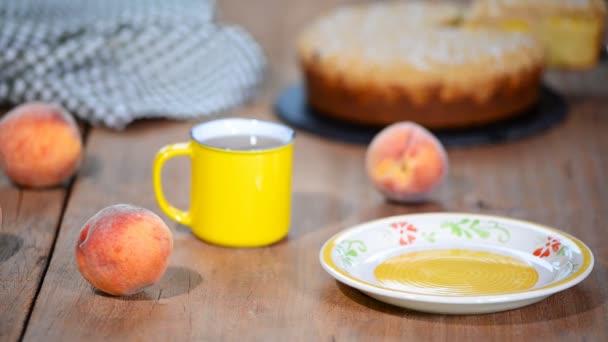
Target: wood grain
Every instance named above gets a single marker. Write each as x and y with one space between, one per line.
280 292
28 225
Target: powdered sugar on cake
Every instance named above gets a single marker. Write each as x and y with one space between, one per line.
412 33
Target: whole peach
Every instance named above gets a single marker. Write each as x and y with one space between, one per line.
40 145
123 249
406 162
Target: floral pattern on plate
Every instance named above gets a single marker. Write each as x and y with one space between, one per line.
558 259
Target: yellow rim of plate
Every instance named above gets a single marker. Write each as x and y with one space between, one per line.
585 252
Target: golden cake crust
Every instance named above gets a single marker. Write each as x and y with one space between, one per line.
371 65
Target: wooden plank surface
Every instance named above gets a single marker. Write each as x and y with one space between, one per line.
280 292
29 223
29 220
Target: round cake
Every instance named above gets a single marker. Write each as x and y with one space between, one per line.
388 62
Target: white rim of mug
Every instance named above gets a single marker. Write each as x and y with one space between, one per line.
289 133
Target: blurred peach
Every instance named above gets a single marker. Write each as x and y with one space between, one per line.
40 145
406 162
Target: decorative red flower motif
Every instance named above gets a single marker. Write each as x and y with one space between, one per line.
407 232
544 251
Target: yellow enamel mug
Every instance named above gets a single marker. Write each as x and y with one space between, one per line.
240 197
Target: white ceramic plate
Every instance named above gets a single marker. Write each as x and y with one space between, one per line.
456 263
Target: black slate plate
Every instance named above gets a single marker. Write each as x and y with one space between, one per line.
292 108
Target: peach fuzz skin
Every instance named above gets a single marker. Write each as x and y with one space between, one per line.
123 249
40 145
406 162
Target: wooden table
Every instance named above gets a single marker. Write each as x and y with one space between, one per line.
280 292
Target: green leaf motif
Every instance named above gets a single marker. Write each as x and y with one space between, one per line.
348 250
430 237
564 251
484 234
484 230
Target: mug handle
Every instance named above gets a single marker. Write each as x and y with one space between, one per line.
164 154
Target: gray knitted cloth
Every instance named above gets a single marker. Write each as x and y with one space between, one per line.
113 61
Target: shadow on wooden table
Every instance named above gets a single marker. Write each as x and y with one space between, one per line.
10 244
176 281
91 167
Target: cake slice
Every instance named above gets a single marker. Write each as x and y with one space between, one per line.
570 30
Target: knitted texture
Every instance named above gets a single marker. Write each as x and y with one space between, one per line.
112 61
